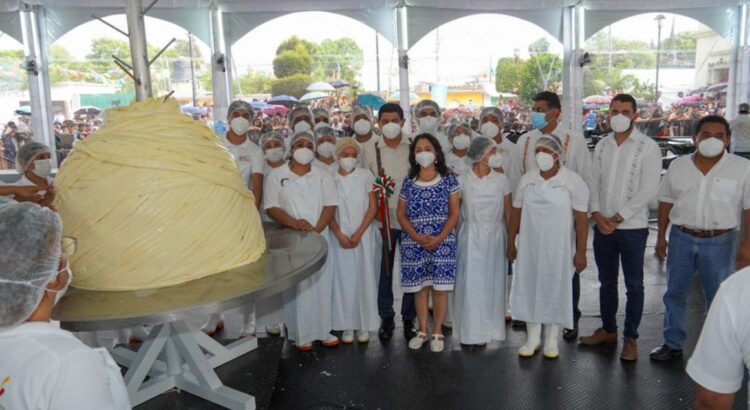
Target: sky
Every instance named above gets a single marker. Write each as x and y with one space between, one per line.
465 47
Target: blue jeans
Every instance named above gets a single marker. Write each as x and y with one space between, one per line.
713 258
385 285
628 246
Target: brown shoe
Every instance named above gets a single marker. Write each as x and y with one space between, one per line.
629 350
601 336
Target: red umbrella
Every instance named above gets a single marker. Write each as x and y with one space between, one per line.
275 109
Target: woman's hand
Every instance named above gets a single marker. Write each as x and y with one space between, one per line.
302 225
432 243
580 262
355 239
344 241
511 252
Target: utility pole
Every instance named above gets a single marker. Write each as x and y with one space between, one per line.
658 19
609 37
192 67
377 59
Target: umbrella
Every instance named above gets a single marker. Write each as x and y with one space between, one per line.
259 105
718 88
283 100
23 110
338 83
316 95
275 109
88 111
371 100
397 96
597 99
320 86
190 109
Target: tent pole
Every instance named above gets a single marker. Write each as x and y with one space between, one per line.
219 69
403 60
736 68
572 71
138 49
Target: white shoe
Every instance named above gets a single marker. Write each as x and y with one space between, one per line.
417 341
550 341
448 325
437 343
214 324
247 332
273 330
347 337
331 341
533 340
363 336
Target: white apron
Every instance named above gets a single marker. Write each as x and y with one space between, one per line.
542 290
269 311
307 306
355 283
479 296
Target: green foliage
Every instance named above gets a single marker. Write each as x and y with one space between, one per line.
293 85
342 56
291 62
679 50
252 82
541 45
542 71
294 42
625 53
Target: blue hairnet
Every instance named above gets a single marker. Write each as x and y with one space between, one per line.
240 105
452 130
271 135
27 153
360 110
323 131
297 112
478 148
321 112
424 104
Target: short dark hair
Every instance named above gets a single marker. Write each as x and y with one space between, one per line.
552 100
440 166
391 107
713 119
625 98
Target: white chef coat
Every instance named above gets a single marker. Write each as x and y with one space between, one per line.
459 165
707 202
511 162
740 127
248 156
331 168
396 165
626 178
575 156
723 350
445 143
48 368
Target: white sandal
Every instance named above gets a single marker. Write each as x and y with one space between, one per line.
437 343
417 341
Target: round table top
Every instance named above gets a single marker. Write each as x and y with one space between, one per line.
290 257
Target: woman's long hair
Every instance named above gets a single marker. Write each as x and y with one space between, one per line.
442 169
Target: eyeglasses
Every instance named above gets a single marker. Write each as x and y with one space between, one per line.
69 245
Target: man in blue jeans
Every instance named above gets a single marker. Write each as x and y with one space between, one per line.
703 196
628 166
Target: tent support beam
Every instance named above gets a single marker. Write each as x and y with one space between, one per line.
138 49
219 69
572 117
403 60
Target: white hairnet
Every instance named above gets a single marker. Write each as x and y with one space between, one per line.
321 112
298 112
302 135
455 129
361 110
550 141
478 148
323 131
240 105
271 135
348 142
423 104
30 238
27 153
494 111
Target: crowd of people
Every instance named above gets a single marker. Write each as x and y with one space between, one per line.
449 206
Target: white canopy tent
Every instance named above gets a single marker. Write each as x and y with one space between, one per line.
221 23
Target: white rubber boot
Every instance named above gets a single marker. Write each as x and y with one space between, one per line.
533 340
550 341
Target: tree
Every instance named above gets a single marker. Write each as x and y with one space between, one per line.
293 85
291 62
625 53
252 82
340 58
542 71
294 42
508 74
679 50
541 45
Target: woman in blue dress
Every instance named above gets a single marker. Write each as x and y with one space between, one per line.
428 210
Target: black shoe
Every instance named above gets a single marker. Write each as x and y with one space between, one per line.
386 328
409 331
517 324
664 352
570 335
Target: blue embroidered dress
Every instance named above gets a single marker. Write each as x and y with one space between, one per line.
427 210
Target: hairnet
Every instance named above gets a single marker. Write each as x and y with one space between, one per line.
321 112
424 104
452 130
297 112
323 131
271 135
359 110
478 148
551 142
302 135
491 111
30 238
348 142
240 105
27 153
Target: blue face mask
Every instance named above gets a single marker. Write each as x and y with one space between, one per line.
538 120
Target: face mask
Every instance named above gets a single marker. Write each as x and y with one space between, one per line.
60 293
304 156
362 127
545 161
711 147
391 130
489 129
425 159
619 123
239 125
326 149
319 125
428 124
301 126
348 163
461 141
42 168
538 120
274 154
496 160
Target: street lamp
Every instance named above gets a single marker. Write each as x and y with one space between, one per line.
659 18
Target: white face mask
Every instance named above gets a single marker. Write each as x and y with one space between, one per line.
711 147
495 160
489 129
60 293
274 154
362 127
304 156
425 159
391 130
42 168
461 141
428 124
348 163
619 123
545 161
239 125
326 149
320 125
301 126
